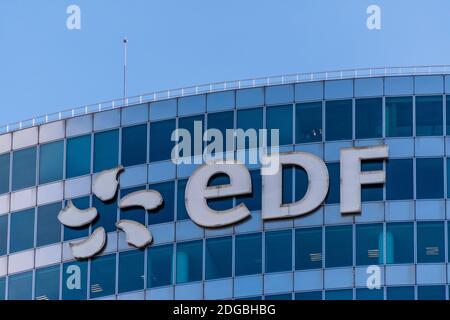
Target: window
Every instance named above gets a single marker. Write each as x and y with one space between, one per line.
308 119
165 213
430 242
22 231
220 100
78 158
253 200
74 277
48 225
193 124
399 243
280 118
103 276
51 162
134 145
368 118
75 233
447 114
250 97
281 297
220 121
429 178
135 213
161 144
224 203
338 118
278 251
47 283
338 246
131 271
400 293
279 94
249 119
107 214
301 183
181 206
106 150
3 234
314 295
431 293
159 266
339 294
369 244
429 116
308 248
24 169
248 258
218 258
189 261
369 294
2 289
372 192
4 173
287 182
334 173
399 179
20 286
399 117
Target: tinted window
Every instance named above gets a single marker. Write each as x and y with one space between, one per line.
369 294
47 283
339 294
308 248
103 276
429 118
278 251
3 234
165 213
248 258
399 179
51 162
334 173
159 266
181 206
253 200
189 261
192 124
74 286
78 156
314 295
338 246
369 244
75 233
131 271
372 192
218 257
368 118
249 119
161 144
4 173
106 153
308 119
431 293
48 225
399 243
280 118
24 169
338 120
134 145
400 293
429 178
20 286
22 231
107 214
134 213
220 121
399 117
430 242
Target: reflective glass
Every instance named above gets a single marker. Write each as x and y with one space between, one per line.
399 179
106 150
429 116
135 213
189 261
48 225
193 124
334 173
24 169
369 244
278 251
3 234
220 100
181 206
301 183
164 213
51 162
429 178
399 117
447 114
308 119
372 192
279 94
161 144
159 266
249 119
431 293
400 242
78 158
75 233
74 277
250 97
313 295
281 297
107 214
22 231
103 276
218 255
308 248
4 173
339 294
286 189
248 259
131 271
253 200
338 120
20 286
430 242
280 118
368 118
2 289
400 293
338 246
134 145
47 283
220 121
369 294
224 203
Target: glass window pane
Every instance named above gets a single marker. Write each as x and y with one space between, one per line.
286 189
400 293
314 295
159 266
399 117
338 118
181 206
369 294
334 173
372 192
134 145
24 169
20 286
220 121
279 94
220 100
399 179
250 97
107 214
253 200
430 242
249 119
106 150
278 251
4 173
399 243
48 225
47 283
190 124
78 156
368 118
429 116
339 294
3 234
308 248
22 231
2 289
369 244
189 261
131 271
165 213
218 258
301 183
51 162
161 144
103 276
282 297
280 118
338 246
431 293
447 114
224 203
74 286
429 178
135 213
308 119
248 258
76 233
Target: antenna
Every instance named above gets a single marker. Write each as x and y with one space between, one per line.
125 63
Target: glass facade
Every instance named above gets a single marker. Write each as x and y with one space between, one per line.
403 228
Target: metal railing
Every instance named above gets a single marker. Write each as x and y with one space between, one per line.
227 85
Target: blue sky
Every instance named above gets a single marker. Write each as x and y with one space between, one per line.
44 67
